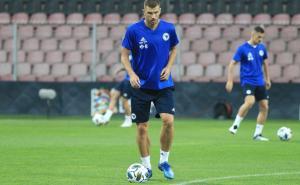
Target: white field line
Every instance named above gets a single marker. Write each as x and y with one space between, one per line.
236 177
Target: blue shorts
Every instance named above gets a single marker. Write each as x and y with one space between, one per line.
259 92
124 88
141 99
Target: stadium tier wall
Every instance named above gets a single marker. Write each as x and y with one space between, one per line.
192 99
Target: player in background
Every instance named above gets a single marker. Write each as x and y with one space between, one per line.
152 43
255 81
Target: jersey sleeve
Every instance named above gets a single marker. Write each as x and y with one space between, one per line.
128 40
237 57
174 39
265 54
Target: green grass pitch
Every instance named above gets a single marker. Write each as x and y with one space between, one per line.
72 151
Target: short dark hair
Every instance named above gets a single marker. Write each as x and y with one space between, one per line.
151 3
259 29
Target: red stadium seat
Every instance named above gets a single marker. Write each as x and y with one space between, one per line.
35 57
85 44
112 18
291 71
77 70
24 69
38 18
117 32
44 31
187 18
214 71
49 44
20 18
4 18
235 44
93 18
200 45
170 17
105 45
232 32
243 18
87 57
25 32
272 33
297 59
8 44
57 18
225 57
60 70
75 18
193 71
5 69
53 57
281 19
102 31
294 46
295 19
207 58
284 58
31 44
289 33
3 56
130 18
219 45
206 18
81 32
68 45
193 32
63 32
73 57
275 71
262 18
100 70
177 72
185 45
224 18
188 58
6 31
41 69
67 78
277 46
21 55
112 58
212 33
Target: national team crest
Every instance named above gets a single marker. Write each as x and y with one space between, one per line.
261 53
166 36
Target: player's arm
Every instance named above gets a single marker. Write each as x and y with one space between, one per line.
266 74
167 70
134 79
229 84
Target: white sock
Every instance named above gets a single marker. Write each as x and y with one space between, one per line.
164 156
258 129
108 114
127 118
238 120
146 161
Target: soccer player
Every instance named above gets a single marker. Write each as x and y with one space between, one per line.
152 43
252 56
121 90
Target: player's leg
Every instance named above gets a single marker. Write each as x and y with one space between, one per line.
249 100
127 121
140 106
262 97
114 95
164 105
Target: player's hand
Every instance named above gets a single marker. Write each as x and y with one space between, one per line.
268 84
164 75
135 81
229 86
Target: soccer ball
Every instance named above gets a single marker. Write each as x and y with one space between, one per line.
98 119
284 133
137 173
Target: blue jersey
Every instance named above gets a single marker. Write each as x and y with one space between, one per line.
251 59
150 52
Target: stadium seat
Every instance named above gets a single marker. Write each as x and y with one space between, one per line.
296 19
130 18
236 74
291 71
41 69
85 44
225 58
188 58
8 44
81 32
281 19
38 18
75 18
25 32
4 18
262 19
56 18
214 71
93 18
87 57
5 69
117 32
187 18
100 70
275 71
6 31
24 69
193 72
243 19
21 56
44 31
272 33
289 33
224 18
31 44
284 58
49 44
185 44
193 32
113 70
102 31
206 18
206 58
232 32
212 33
60 70
170 17
294 46
35 57
111 58
177 72
3 56
105 45
53 57
200 45
105 78
219 45
297 59
63 32
277 46
77 70
73 57
112 18
67 78
68 45
20 18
